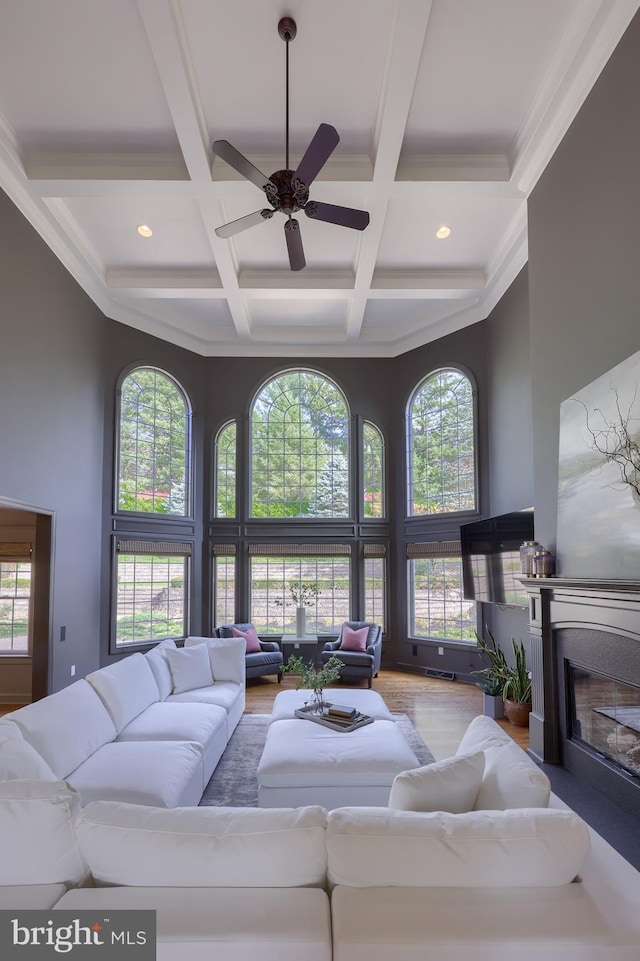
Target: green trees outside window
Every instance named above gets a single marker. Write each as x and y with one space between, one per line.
441 445
225 467
153 444
300 448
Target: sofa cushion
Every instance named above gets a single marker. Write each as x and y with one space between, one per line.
39 845
222 693
157 660
226 655
519 848
228 924
449 785
126 688
218 847
67 727
190 668
251 638
34 897
511 778
353 640
19 760
163 773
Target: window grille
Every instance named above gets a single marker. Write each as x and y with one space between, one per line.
373 472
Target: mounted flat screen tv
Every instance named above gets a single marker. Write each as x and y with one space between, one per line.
491 558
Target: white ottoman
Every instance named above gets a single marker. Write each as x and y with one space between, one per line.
368 702
307 763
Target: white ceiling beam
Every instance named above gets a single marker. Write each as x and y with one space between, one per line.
163 25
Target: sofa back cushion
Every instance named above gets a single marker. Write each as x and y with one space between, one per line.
39 846
126 688
369 847
157 661
18 760
131 844
449 785
511 778
67 727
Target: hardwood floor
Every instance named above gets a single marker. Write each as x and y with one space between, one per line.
440 710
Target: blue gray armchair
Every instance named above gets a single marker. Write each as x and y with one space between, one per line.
356 664
268 660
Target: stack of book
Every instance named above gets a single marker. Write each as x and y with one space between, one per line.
341 714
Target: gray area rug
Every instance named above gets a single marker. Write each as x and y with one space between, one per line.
234 784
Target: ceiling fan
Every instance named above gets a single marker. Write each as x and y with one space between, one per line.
288 190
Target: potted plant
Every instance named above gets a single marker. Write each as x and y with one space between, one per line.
314 678
517 688
494 676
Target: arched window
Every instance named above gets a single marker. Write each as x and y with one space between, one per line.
441 445
225 470
300 448
154 444
373 471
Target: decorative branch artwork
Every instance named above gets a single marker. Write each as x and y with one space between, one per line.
613 438
599 477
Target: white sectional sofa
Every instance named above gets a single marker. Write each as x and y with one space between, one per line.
357 884
144 729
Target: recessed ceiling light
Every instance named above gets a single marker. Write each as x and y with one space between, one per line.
145 231
443 232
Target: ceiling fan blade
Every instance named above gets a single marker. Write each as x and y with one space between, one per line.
222 148
334 214
323 143
294 244
235 226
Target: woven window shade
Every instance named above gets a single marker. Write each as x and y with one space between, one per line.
374 550
434 549
224 550
300 550
168 548
14 552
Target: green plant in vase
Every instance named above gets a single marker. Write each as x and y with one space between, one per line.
314 678
517 687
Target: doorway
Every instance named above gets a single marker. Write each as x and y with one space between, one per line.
25 602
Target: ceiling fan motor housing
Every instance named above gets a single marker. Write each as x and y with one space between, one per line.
288 194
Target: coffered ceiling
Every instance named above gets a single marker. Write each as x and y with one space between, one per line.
447 110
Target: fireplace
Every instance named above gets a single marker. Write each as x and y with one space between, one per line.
585 656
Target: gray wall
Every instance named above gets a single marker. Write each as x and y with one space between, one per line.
51 426
510 436
584 230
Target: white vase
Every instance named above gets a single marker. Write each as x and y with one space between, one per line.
301 621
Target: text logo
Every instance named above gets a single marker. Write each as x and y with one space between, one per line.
80 935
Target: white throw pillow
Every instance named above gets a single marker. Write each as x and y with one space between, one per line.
190 668
450 785
18 760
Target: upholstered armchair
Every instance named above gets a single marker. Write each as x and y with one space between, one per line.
357 663
267 660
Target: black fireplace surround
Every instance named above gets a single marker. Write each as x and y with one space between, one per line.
585 660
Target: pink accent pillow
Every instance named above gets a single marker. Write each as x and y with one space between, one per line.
354 640
251 637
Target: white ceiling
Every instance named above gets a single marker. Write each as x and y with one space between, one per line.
447 110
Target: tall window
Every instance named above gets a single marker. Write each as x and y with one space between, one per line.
224 583
373 471
151 601
225 470
154 441
437 608
441 445
375 570
276 578
299 448
15 598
